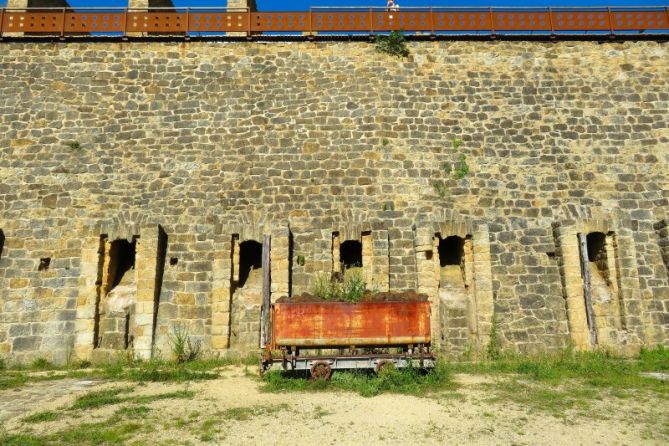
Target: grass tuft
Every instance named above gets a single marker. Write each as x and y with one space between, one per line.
113 396
409 381
42 417
101 398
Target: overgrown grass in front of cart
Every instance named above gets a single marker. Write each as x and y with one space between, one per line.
409 380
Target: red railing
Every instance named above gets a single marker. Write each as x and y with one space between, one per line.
208 21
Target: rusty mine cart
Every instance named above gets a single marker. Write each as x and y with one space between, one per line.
366 335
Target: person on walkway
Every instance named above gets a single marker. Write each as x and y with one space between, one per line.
392 6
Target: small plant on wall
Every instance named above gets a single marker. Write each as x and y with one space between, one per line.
457 169
75 146
393 44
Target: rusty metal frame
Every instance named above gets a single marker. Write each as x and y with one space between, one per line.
461 21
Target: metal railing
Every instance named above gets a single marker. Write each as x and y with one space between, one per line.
185 22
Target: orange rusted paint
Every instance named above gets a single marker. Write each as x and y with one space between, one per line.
181 21
338 324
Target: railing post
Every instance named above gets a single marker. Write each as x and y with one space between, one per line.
125 24
311 26
62 27
2 20
371 22
249 12
187 23
431 15
550 19
492 23
610 23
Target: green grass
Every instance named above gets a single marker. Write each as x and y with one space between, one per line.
410 381
113 431
597 369
169 371
10 379
122 369
41 417
541 398
100 398
132 411
108 397
246 413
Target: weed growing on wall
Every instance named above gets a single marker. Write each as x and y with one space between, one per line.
75 146
492 349
440 188
183 347
393 44
457 170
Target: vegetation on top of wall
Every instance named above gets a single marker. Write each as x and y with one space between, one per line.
393 44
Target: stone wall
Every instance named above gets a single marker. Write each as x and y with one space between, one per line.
193 146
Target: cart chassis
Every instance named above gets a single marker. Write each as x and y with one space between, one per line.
375 361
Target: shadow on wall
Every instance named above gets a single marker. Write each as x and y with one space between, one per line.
2 242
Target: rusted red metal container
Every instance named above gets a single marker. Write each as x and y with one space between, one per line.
339 324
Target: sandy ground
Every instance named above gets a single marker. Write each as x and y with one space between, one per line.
462 416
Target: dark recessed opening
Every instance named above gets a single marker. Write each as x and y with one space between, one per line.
44 264
173 261
596 242
122 258
596 246
2 242
350 254
250 258
451 250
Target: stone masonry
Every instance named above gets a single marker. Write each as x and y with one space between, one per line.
188 150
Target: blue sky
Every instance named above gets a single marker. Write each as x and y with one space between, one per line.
298 5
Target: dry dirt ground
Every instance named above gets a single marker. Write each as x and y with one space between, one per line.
233 410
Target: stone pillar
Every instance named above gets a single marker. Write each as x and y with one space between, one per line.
380 262
336 250
280 263
484 304
84 326
662 228
220 292
635 317
15 4
570 263
426 279
367 258
470 287
138 4
239 5
146 267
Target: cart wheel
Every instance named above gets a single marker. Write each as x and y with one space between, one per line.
384 365
321 370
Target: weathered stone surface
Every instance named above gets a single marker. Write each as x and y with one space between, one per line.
210 140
